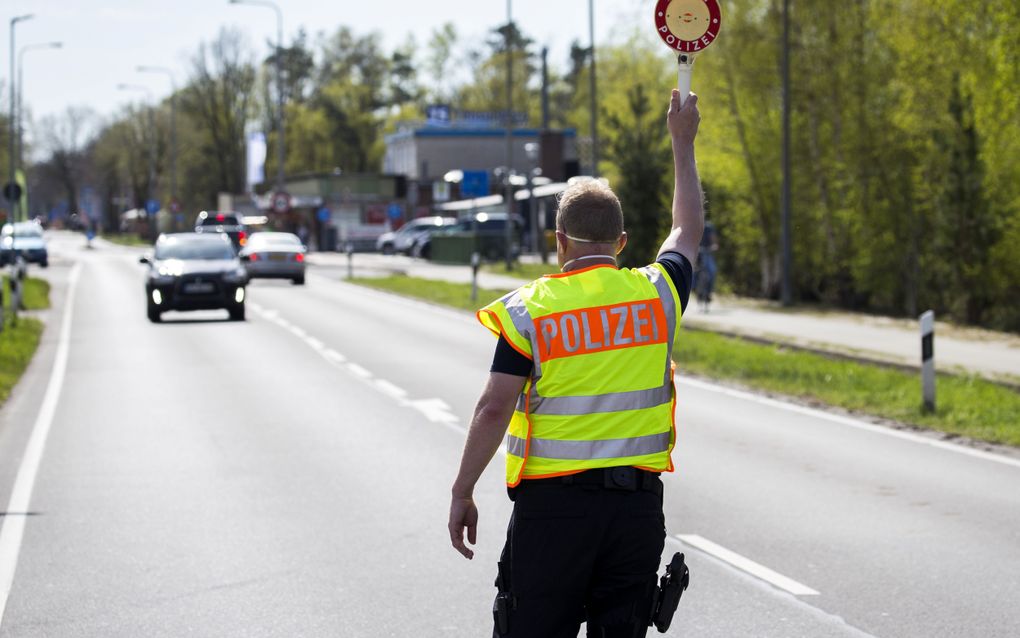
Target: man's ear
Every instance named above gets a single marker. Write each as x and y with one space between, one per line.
621 243
561 240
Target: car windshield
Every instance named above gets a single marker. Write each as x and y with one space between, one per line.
193 249
281 240
27 230
219 219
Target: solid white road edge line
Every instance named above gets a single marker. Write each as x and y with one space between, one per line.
746 565
850 422
13 529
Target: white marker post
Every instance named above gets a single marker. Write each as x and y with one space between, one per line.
928 360
687 27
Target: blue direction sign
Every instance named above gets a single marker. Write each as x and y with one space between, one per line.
323 214
474 184
394 211
152 206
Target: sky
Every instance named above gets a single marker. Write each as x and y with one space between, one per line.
104 41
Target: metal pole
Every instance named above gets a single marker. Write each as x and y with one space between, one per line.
786 290
509 187
545 88
173 123
19 151
928 360
11 159
594 100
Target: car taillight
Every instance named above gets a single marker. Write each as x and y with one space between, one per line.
253 257
299 257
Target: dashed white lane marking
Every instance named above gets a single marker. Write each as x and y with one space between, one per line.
333 356
315 343
746 565
358 370
13 529
850 422
389 389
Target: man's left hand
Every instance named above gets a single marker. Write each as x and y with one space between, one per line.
463 513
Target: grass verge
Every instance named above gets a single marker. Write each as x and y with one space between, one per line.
967 406
19 341
522 270
126 239
36 293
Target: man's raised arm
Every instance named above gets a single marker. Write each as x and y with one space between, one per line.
688 200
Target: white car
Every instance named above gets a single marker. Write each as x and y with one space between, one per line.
402 240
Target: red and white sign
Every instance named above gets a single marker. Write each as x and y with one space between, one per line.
281 202
687 26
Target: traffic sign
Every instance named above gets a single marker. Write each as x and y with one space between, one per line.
12 191
281 202
152 206
474 184
394 211
687 26
323 215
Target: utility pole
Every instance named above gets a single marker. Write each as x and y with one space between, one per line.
591 85
173 126
509 187
18 152
786 285
11 159
280 126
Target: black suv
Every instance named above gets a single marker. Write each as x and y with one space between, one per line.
229 224
193 271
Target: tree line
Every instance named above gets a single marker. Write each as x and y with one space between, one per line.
905 142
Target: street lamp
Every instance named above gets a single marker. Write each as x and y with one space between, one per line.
591 85
173 125
12 164
279 82
509 189
21 96
152 128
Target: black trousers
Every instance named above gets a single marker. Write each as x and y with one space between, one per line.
583 553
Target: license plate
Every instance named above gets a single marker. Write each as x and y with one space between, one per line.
199 288
277 257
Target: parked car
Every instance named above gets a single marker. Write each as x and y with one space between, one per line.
194 271
491 229
402 240
26 239
230 224
275 255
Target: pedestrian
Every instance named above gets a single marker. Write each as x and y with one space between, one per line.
583 376
705 269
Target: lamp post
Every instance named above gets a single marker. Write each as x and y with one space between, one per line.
173 125
152 128
18 152
786 286
531 149
11 160
509 189
279 83
591 87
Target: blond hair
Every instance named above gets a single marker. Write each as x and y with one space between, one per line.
590 211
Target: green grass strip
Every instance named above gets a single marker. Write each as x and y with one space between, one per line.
966 405
524 271
19 341
35 293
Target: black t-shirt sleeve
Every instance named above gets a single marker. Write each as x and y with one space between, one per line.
509 361
680 272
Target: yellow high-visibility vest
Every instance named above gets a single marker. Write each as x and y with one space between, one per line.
601 390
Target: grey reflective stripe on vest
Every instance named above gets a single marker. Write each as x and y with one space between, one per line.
598 403
658 279
524 325
588 450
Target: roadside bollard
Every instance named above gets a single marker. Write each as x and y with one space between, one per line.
928 360
476 261
350 260
15 298
2 322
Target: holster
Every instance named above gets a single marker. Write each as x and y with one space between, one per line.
504 602
667 595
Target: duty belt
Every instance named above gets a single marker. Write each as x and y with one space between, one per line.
626 479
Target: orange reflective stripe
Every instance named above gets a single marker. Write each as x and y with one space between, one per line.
601 329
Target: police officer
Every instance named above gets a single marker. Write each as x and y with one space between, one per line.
583 378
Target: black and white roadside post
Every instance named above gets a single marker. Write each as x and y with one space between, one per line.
350 259
928 360
476 261
687 27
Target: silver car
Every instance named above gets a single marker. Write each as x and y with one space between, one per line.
402 240
276 256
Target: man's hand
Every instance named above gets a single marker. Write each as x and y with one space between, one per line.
463 513
683 121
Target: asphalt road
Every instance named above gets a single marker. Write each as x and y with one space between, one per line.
289 476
